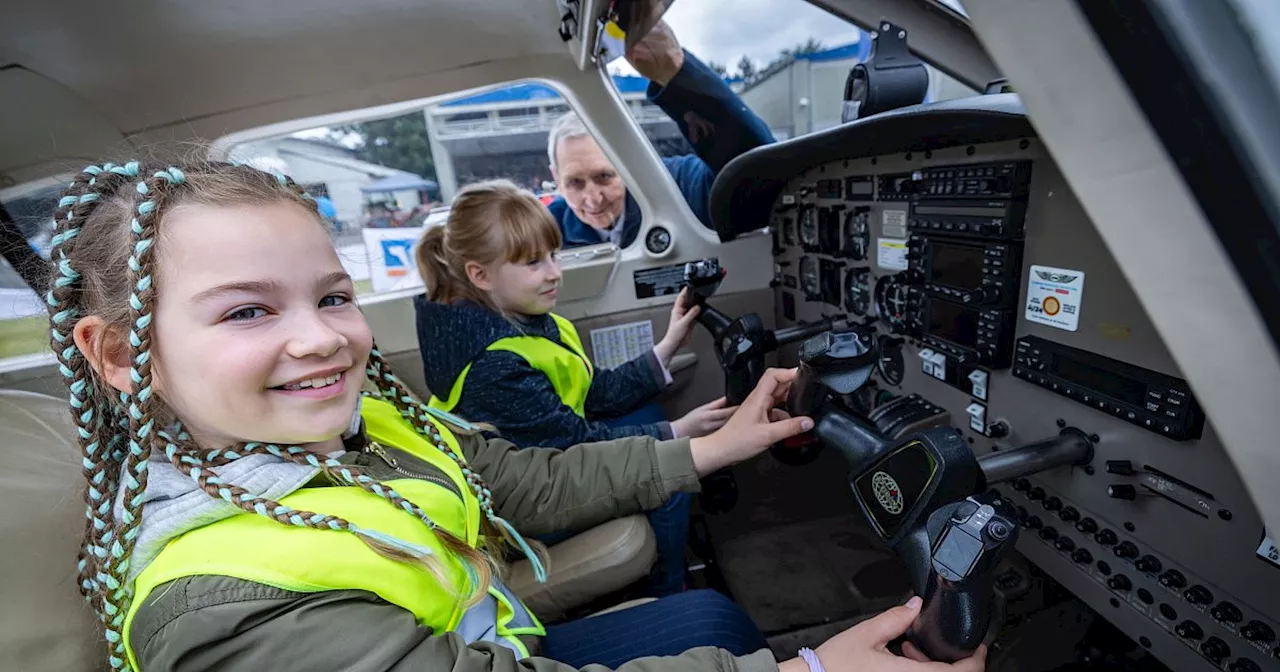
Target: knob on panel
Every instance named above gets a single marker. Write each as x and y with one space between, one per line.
1243 665
1257 631
1119 582
1036 494
1082 556
1069 515
1048 534
1173 579
1149 564
1226 612
1198 594
1105 537
1188 630
1126 550
1064 544
1052 504
1087 525
1215 649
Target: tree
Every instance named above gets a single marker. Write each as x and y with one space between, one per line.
746 68
811 46
718 68
399 142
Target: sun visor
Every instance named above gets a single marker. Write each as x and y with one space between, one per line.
45 126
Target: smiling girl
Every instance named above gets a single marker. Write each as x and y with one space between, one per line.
248 507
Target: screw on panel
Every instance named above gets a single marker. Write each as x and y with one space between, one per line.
1024 143
846 164
822 169
1088 469
1061 423
874 160
1095 438
928 154
971 440
1115 603
1224 514
908 156
970 150
1144 641
1130 527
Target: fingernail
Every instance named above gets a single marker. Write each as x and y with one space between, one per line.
914 602
806 424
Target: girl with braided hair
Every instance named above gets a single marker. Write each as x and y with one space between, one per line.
262 492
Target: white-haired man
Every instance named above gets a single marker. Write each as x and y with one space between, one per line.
594 205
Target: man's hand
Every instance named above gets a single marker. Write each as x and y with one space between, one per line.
658 55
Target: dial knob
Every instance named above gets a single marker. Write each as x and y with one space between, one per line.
1064 544
1036 494
982 296
1120 467
1119 582
1225 612
1053 504
1257 631
1122 491
1087 525
1069 515
1034 522
1048 534
1149 564
1188 630
1173 579
1215 649
1243 665
1082 556
1022 485
1105 537
1126 550
1198 594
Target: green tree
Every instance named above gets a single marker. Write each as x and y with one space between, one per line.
810 46
747 68
398 142
718 68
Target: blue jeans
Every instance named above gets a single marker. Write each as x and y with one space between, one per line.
670 522
667 627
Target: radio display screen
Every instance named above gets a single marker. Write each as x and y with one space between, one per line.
953 322
1104 382
955 265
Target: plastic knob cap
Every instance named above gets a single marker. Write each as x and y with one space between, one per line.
1215 649
1119 582
1149 564
1048 534
1035 523
1122 491
1173 579
1243 665
1257 631
1087 525
1053 504
1126 550
1022 485
1188 630
1082 556
1120 467
1225 612
1106 537
1069 514
1198 594
1036 494
1064 544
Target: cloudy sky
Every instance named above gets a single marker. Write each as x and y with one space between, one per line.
724 30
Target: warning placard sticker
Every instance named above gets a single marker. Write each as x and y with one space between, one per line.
1054 296
892 254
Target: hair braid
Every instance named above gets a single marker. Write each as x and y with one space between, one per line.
418 414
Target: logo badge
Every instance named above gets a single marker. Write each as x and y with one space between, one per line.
887 492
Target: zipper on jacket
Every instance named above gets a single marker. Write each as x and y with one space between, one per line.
385 455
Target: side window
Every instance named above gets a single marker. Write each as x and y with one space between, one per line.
383 182
24 322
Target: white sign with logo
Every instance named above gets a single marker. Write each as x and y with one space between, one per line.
392 264
1054 296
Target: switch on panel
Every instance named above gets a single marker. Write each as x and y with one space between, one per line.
977 417
926 361
939 365
978 381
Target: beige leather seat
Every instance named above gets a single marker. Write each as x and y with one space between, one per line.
45 623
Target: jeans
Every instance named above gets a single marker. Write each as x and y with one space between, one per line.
666 627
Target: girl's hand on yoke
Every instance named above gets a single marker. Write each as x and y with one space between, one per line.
756 425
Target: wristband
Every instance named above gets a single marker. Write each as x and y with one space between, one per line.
811 659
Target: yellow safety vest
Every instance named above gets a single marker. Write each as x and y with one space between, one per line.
307 560
565 363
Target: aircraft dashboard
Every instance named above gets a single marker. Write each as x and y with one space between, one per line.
950 230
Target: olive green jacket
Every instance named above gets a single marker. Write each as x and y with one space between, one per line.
217 622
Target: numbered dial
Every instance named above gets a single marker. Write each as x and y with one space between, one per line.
893 300
809 236
810 279
857 291
890 365
857 235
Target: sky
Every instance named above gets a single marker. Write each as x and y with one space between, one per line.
725 30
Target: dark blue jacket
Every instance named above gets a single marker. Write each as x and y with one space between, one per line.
504 390
716 123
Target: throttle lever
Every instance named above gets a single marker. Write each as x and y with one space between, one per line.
967 540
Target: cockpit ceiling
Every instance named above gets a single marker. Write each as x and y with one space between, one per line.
150 64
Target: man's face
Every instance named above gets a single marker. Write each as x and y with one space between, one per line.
589 183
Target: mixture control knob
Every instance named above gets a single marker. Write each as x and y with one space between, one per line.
1119 582
1105 537
1069 514
1243 665
1188 630
1036 494
1173 579
1022 485
1064 544
1149 564
982 296
1225 612
1126 550
1053 504
1082 556
1120 467
1257 631
1087 525
1198 594
1215 649
1122 491
1048 533
1034 522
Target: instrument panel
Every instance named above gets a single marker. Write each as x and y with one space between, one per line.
1014 321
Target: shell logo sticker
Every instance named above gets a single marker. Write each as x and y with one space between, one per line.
1051 305
887 492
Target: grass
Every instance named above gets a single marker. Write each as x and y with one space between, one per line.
25 336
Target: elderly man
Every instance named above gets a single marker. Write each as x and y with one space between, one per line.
594 205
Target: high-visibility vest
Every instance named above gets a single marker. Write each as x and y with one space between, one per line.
307 560
565 363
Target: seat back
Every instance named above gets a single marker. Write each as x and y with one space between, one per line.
45 623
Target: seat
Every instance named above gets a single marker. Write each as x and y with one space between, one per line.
47 625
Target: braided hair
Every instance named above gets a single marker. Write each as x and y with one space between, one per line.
109 218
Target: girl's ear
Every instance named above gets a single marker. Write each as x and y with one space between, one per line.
479 276
106 349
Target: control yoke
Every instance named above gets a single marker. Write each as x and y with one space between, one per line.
926 495
741 344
